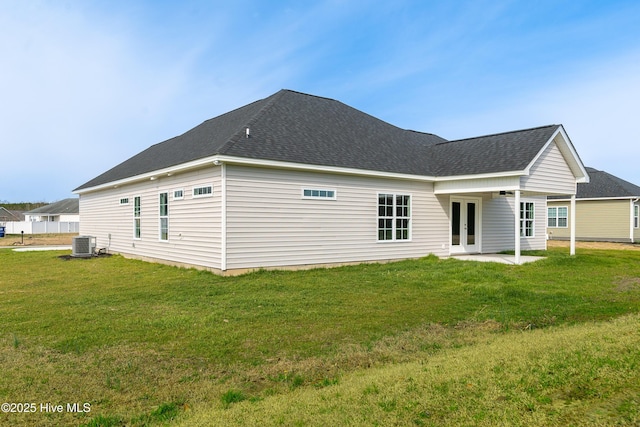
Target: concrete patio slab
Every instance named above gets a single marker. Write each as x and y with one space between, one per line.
499 258
41 248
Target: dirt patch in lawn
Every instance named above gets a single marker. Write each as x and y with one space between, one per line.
38 239
595 245
627 284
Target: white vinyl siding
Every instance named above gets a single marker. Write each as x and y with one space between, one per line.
550 174
268 224
498 224
195 224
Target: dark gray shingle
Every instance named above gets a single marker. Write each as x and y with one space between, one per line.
503 152
65 206
603 185
295 127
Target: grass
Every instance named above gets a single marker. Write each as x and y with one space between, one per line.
578 375
148 344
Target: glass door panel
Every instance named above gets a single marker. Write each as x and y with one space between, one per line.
471 223
455 223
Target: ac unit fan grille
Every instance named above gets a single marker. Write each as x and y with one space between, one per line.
82 246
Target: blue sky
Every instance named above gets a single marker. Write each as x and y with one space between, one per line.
87 84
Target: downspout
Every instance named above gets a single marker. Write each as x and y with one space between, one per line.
516 214
223 217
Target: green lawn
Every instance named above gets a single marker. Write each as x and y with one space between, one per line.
147 344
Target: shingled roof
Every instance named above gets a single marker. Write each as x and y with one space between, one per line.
509 151
295 127
605 185
65 206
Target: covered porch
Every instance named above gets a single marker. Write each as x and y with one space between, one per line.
484 224
507 210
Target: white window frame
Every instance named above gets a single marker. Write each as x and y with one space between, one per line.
636 216
310 193
200 187
163 217
524 220
394 218
181 196
124 201
557 217
137 218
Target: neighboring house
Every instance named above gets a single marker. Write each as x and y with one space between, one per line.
8 216
295 180
67 210
607 209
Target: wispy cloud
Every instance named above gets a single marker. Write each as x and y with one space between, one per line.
599 109
86 85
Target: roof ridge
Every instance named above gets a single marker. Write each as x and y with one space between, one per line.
270 100
425 133
497 134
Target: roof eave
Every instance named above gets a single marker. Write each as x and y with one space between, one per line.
168 171
218 159
480 176
594 199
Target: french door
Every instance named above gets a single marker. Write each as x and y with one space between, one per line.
465 225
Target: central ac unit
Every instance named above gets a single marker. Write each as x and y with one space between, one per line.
83 246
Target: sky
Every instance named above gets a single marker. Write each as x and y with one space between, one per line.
84 85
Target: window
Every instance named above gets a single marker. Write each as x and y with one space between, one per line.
203 191
310 193
178 194
636 216
136 217
526 219
164 216
394 217
557 217
124 201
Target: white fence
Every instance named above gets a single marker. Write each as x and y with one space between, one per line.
41 227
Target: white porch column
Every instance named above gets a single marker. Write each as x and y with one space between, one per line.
632 218
573 225
516 214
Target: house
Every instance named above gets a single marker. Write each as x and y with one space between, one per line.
297 180
607 209
7 215
63 210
